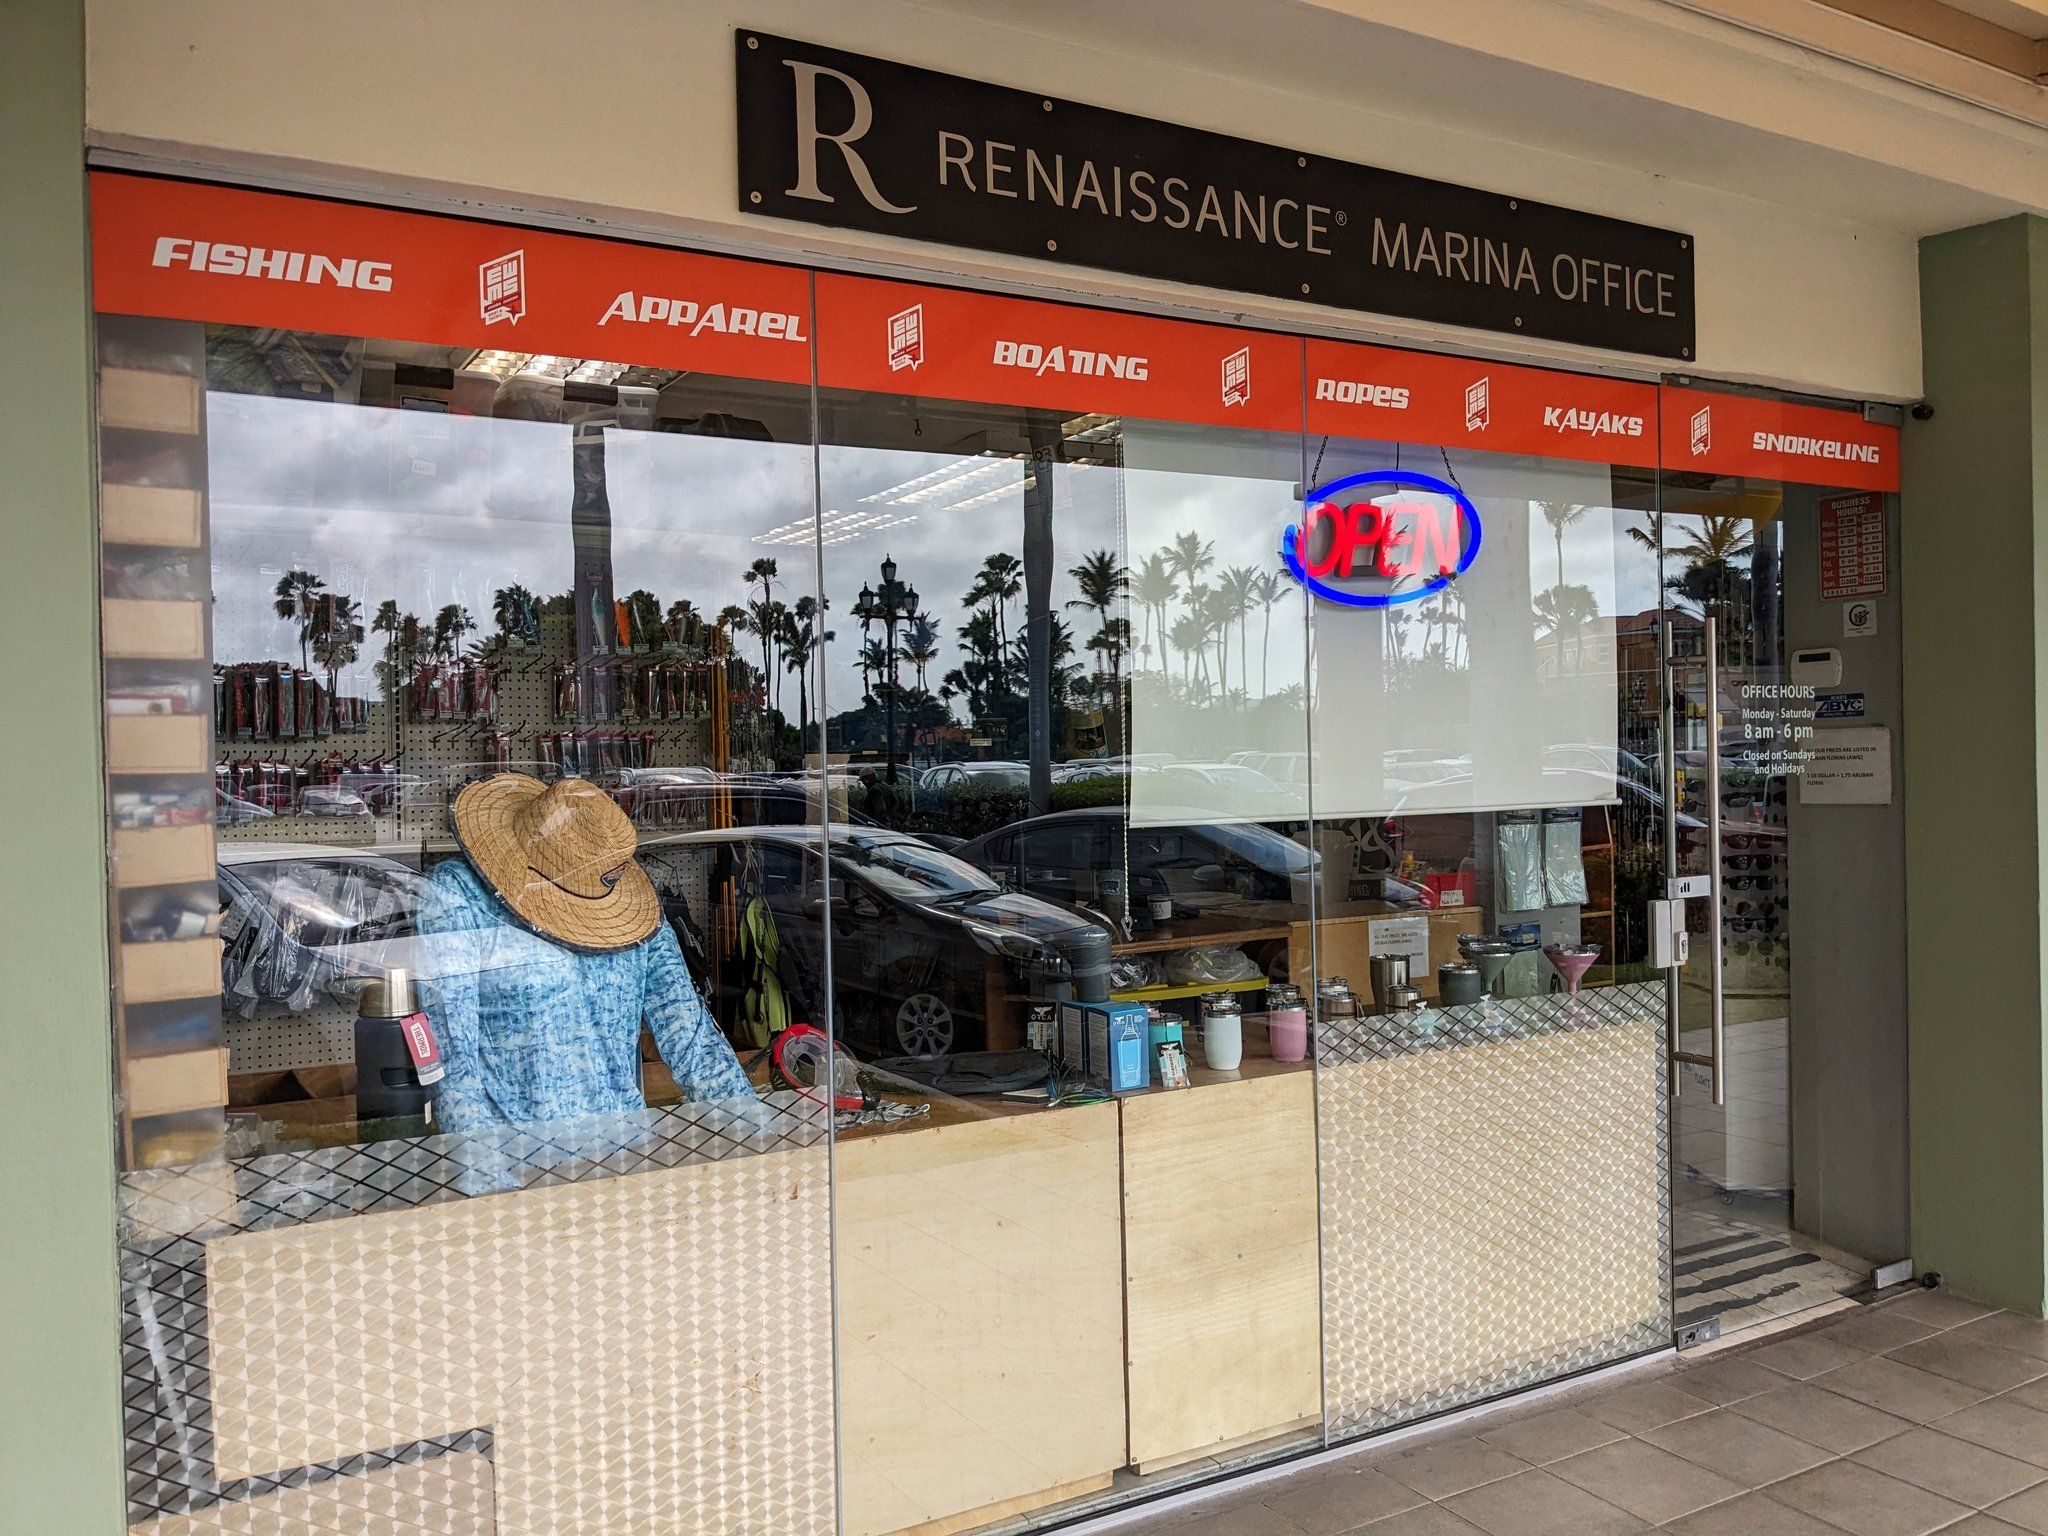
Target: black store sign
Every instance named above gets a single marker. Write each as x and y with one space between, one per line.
841 139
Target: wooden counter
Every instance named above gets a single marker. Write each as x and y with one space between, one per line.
981 1328
1029 1299
1220 1262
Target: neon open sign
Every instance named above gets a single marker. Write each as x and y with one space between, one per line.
1381 533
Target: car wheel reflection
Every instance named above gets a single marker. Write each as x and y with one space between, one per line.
924 1026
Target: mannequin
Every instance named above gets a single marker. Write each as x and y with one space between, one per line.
547 952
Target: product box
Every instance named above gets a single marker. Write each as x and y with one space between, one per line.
1106 1044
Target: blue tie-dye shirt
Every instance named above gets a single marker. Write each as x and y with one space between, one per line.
531 1031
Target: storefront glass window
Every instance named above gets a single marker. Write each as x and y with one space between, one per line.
1490 1114
1039 598
434 670
756 900
1783 717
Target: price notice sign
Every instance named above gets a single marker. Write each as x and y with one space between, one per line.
1852 549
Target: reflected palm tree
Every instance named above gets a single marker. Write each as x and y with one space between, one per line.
1561 515
510 609
1713 575
874 663
1187 633
997 585
732 620
761 611
1153 587
1104 582
1564 612
1234 606
1267 591
801 640
450 625
921 647
341 641
298 595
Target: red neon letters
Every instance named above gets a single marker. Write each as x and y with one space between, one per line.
1394 537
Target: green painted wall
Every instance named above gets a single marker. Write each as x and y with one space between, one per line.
1974 581
60 1423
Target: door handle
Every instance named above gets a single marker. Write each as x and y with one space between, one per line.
1715 1057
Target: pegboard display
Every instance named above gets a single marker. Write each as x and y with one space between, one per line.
322 1036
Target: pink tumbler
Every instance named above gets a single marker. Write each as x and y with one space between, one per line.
1286 1024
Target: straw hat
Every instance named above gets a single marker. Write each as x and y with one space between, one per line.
561 857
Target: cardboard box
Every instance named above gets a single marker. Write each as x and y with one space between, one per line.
170 970
162 856
174 1083
159 744
137 399
157 515
152 629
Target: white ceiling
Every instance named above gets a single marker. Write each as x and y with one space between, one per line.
1638 84
2029 18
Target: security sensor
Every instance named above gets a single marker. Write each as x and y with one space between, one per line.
1922 411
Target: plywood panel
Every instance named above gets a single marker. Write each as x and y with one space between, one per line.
981 1321
652 1352
1220 1261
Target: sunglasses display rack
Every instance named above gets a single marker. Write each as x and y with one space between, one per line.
171 1049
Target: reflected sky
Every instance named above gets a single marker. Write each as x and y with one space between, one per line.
429 509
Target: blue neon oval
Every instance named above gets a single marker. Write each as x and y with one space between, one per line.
1395 477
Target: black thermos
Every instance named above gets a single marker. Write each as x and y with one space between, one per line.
388 1085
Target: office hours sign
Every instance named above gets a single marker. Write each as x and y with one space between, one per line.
845 140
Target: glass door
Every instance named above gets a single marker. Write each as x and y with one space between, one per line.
1736 727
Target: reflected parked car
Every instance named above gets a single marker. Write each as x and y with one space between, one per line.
919 939
1081 857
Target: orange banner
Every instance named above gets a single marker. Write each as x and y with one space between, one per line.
1460 402
1776 440
949 344
192 251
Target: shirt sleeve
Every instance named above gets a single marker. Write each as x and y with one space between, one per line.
698 1056
453 926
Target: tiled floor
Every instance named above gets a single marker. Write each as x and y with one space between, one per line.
1920 1414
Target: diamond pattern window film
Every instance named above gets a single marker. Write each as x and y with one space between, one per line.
1495 1210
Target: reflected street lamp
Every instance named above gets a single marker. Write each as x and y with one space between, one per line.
892 604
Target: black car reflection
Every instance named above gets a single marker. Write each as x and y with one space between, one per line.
923 945
1201 864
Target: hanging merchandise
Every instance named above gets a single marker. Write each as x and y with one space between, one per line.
1518 844
765 1010
1564 864
453 692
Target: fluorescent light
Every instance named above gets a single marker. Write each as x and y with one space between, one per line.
499 365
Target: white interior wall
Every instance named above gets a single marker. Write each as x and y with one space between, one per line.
624 112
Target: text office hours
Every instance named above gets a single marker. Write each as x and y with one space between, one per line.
190 251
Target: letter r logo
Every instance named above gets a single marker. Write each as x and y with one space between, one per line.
808 137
